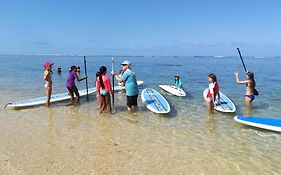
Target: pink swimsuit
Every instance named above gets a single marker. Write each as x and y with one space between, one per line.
107 85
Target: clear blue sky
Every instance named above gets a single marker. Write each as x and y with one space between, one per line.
140 27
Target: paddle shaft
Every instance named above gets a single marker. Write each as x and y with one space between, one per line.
113 81
242 59
86 74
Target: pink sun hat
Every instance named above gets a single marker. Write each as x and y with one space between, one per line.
47 64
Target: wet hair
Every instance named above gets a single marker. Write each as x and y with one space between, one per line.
102 71
97 74
72 68
177 76
213 77
251 76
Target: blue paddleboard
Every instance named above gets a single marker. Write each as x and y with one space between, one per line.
154 101
273 124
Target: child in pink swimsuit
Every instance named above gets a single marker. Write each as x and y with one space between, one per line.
103 87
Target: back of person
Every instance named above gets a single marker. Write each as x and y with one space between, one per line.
131 85
106 82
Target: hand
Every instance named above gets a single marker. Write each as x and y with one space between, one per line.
236 73
113 73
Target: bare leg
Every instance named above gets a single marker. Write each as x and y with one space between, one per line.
102 105
76 94
70 92
99 100
108 103
136 108
48 94
129 109
209 104
248 102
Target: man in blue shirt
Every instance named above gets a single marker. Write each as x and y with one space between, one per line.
131 86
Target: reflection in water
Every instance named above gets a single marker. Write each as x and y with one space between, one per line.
50 149
103 147
248 111
74 118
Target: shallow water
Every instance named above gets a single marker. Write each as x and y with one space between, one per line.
67 139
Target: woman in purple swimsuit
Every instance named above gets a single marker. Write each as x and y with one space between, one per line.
250 87
70 84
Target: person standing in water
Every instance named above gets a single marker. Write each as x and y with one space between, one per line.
131 86
70 84
48 81
213 92
59 69
178 82
103 87
250 87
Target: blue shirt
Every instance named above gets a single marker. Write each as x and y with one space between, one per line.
178 84
131 86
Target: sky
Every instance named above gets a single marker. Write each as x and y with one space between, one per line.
141 27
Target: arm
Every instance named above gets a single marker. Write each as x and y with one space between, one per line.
107 85
98 87
46 74
238 81
117 77
79 79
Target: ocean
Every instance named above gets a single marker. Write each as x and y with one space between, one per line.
75 139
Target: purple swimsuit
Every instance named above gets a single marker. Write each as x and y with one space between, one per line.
70 80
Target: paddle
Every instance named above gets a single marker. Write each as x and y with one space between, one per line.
86 74
242 59
255 91
112 81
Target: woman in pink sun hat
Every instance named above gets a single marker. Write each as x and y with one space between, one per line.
48 81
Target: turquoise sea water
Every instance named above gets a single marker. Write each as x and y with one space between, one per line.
75 139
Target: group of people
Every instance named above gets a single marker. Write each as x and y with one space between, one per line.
213 90
128 79
104 89
103 86
70 83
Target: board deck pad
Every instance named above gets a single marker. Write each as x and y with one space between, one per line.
154 101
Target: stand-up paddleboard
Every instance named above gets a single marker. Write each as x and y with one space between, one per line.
42 100
173 90
272 124
155 101
224 105
117 88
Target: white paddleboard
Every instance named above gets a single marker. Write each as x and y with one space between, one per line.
224 105
173 90
273 124
42 100
117 88
154 101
